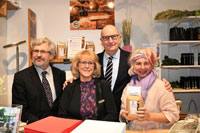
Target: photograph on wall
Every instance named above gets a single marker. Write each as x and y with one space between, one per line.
31 30
91 14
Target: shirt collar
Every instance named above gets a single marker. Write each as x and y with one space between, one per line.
39 70
115 56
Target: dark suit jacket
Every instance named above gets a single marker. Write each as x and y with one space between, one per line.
69 105
122 78
27 90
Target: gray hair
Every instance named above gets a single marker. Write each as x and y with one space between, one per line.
38 42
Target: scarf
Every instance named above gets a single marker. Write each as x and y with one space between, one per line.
145 83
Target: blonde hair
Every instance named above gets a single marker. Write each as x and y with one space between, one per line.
146 53
76 61
40 41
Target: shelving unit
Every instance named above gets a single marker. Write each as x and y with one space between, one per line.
174 49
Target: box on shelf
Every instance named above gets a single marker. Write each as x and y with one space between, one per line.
61 50
95 126
52 124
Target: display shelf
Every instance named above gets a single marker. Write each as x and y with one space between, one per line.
11 6
180 66
180 42
65 61
177 21
6 5
180 90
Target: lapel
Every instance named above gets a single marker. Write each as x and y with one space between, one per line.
38 85
77 92
101 62
122 62
98 91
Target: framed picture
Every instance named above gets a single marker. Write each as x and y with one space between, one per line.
74 45
31 30
90 15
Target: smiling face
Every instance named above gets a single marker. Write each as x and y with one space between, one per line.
110 39
41 56
142 67
86 68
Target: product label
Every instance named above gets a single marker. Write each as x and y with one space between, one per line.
133 107
134 90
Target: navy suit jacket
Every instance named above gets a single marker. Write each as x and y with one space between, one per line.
122 77
27 90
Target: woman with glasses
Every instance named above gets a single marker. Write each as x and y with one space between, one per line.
87 97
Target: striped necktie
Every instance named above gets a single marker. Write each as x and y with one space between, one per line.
47 88
109 68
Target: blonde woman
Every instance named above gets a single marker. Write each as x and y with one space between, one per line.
159 104
87 97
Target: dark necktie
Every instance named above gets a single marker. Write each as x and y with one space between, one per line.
109 69
47 88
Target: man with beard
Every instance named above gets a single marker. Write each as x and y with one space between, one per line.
39 86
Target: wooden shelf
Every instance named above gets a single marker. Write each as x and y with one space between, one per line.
10 6
6 5
65 61
180 66
181 42
179 90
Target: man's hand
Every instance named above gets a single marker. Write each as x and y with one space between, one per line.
167 85
66 83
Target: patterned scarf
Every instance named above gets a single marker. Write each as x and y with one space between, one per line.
145 83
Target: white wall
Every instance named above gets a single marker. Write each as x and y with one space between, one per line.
53 22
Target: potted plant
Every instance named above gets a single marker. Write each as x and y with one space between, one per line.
126 34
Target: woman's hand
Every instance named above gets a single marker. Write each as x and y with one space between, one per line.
126 117
66 83
143 114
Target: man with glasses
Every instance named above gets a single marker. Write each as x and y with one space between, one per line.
39 86
111 40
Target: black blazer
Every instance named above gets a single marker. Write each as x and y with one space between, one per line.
122 78
69 105
27 90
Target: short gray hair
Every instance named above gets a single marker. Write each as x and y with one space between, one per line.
38 42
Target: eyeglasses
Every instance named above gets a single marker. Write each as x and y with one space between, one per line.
40 51
114 37
86 63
